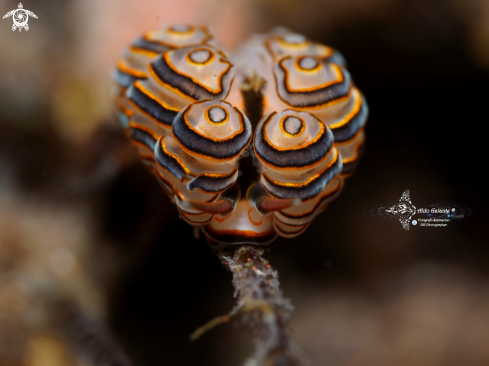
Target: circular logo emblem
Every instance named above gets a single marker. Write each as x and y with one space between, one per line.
20 18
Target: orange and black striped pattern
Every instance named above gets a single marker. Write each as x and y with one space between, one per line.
179 99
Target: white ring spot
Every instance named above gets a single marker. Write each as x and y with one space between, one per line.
294 38
217 114
200 56
293 125
308 63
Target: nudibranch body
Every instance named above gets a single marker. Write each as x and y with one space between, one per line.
241 180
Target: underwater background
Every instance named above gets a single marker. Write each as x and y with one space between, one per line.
84 226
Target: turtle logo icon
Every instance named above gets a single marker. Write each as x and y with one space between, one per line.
20 17
404 210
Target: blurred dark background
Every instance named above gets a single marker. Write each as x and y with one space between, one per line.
81 218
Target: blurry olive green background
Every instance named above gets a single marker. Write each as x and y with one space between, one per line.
81 219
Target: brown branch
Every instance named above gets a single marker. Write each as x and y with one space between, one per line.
261 306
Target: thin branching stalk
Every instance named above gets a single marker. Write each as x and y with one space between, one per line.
260 305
